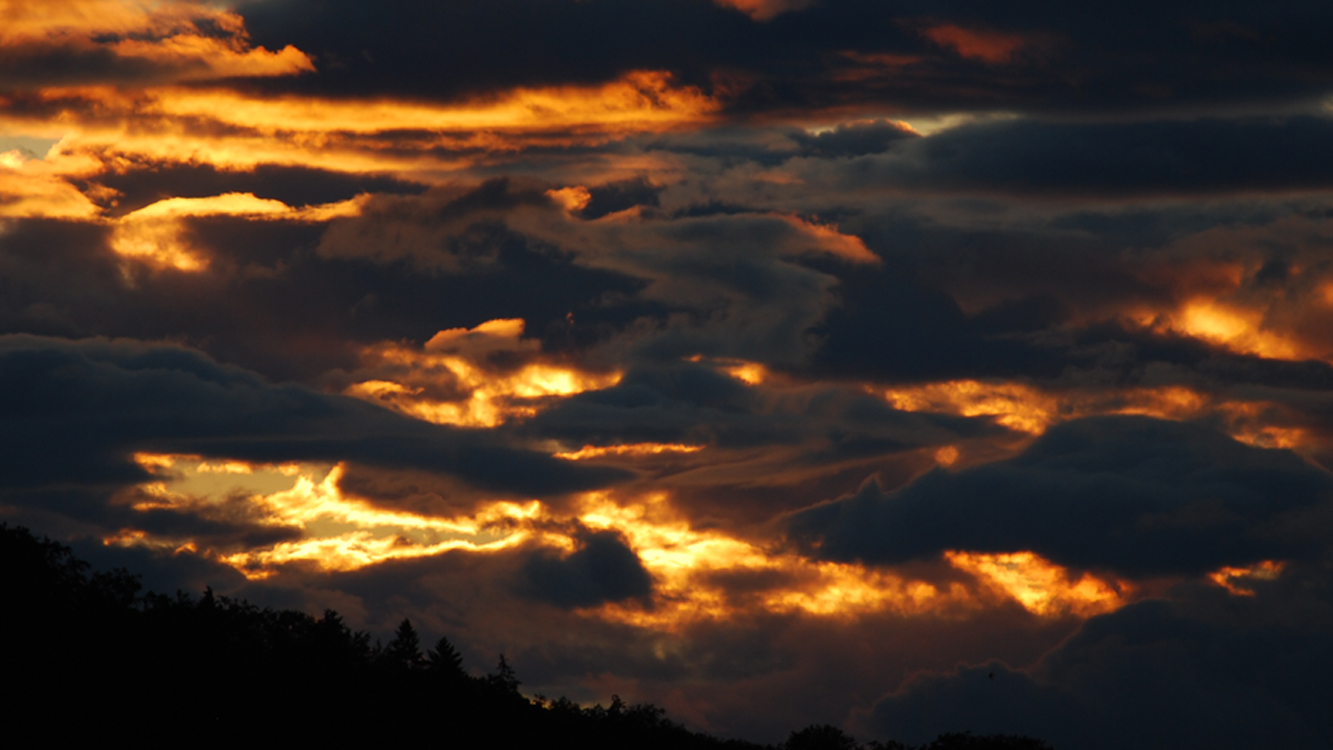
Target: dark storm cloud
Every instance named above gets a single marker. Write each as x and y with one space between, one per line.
1131 494
266 296
449 229
36 65
611 197
1137 158
142 183
603 569
694 404
75 411
852 139
886 327
1203 669
1038 56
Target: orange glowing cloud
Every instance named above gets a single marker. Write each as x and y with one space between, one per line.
690 566
686 563
638 101
169 34
574 198
154 234
1041 587
338 532
1031 410
992 47
447 381
1237 328
35 188
1239 581
749 373
1014 405
634 449
101 125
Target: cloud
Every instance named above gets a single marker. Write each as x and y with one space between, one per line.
1138 496
836 55
1200 667
73 42
854 138
766 10
991 47
1205 155
82 408
602 569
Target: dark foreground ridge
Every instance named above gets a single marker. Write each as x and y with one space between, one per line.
88 656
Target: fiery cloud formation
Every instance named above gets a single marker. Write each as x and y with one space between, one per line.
463 363
778 362
177 40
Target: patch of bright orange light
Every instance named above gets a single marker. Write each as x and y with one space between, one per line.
154 233
1042 587
38 188
1236 328
1234 579
574 198
486 398
750 373
1030 410
633 449
683 559
338 533
154 461
644 100
1016 406
169 33
125 537
946 456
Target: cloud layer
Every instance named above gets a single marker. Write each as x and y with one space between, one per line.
908 367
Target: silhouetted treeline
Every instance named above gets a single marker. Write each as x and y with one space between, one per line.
87 656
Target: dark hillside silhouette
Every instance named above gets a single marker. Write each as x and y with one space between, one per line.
88 657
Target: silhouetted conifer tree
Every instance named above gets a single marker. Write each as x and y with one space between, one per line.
445 661
405 649
504 677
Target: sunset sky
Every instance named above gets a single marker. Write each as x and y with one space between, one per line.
904 366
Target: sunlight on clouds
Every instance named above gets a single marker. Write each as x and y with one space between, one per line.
682 559
1016 406
1031 410
191 40
154 233
634 449
1042 587
448 381
35 188
749 373
639 101
1236 328
573 198
1239 581
694 570
339 533
233 130
688 564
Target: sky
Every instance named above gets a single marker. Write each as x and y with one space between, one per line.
908 367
